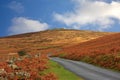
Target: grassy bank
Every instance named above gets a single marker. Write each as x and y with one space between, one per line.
61 72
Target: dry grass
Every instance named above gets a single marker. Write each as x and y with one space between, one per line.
33 42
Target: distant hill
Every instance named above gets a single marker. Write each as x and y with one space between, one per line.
34 42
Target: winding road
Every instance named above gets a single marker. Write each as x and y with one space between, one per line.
87 71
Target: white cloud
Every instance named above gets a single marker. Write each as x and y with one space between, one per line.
24 25
94 12
16 6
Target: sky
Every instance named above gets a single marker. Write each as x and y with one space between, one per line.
23 16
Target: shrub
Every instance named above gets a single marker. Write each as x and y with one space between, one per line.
22 53
62 55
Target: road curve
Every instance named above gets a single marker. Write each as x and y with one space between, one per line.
87 71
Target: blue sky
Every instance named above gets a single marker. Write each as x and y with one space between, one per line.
22 16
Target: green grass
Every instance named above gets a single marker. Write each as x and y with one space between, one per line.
61 72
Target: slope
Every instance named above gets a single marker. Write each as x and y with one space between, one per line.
45 40
103 51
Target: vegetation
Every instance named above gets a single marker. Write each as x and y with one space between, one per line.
26 69
104 52
36 41
61 72
48 47
91 51
22 53
62 55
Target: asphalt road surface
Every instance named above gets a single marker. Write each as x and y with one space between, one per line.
87 71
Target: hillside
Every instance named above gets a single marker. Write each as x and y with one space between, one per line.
105 42
49 41
103 51
34 42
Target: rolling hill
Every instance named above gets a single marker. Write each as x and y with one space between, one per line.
49 39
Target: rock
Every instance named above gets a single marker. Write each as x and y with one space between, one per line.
19 59
37 55
3 74
23 74
13 59
13 66
28 56
10 61
2 71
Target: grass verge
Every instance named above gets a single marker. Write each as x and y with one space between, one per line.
61 72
